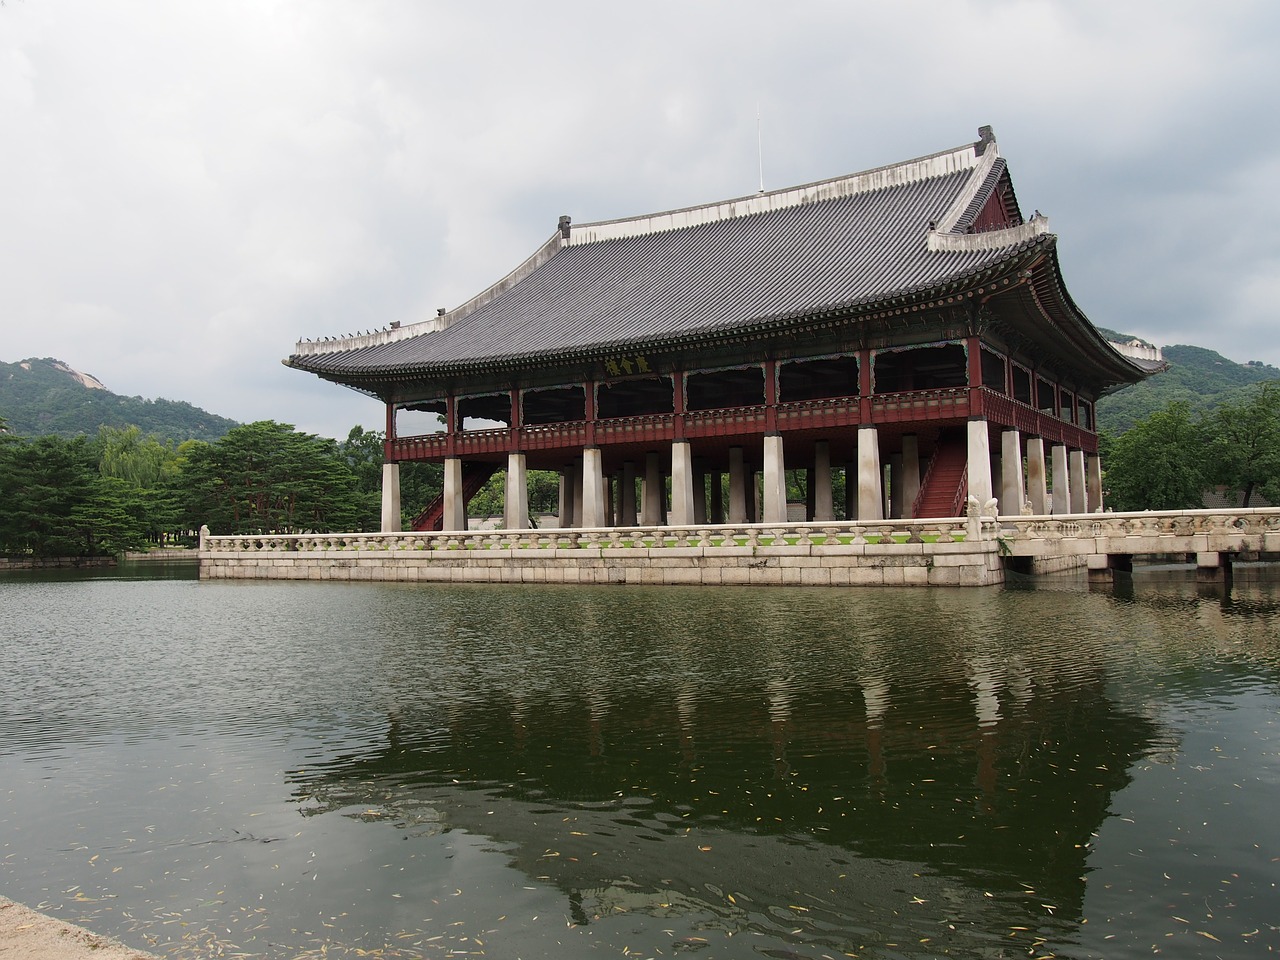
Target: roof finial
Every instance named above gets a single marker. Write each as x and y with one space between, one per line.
985 136
564 226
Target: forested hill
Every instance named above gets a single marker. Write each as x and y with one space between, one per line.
1201 377
47 396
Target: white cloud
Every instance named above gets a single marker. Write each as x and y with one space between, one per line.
189 188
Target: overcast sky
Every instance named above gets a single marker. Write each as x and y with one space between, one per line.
191 187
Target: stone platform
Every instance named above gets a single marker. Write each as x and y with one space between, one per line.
949 552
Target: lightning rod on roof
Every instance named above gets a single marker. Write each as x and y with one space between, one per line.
760 146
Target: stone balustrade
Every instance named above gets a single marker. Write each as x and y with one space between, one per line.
949 551
1146 532
718 536
958 551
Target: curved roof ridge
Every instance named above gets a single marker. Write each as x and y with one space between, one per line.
966 157
940 241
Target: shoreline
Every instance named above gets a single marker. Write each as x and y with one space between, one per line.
27 934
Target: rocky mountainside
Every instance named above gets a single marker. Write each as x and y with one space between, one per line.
47 396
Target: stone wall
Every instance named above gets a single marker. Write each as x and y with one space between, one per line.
797 555
56 563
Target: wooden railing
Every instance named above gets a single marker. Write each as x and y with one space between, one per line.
950 403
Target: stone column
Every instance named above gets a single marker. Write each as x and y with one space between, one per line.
870 491
910 474
1213 567
1061 485
391 498
1012 492
564 509
737 486
775 480
1095 483
699 492
895 485
515 506
455 510
979 461
820 483
653 513
1075 466
681 484
575 475
1037 485
627 495
593 514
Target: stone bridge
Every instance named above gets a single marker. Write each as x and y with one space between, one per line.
1107 542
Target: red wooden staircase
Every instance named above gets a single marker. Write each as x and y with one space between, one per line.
475 474
946 480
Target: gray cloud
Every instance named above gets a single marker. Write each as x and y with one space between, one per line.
191 188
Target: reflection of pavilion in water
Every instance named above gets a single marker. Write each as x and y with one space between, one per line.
970 784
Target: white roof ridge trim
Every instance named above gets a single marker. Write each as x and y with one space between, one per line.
310 348
908 171
966 196
940 242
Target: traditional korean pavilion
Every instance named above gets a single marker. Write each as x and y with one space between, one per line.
906 324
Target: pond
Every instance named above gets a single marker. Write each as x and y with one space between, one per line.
280 769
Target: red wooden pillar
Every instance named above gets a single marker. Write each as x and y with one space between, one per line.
390 435
974 349
513 445
865 359
678 403
451 426
771 396
589 392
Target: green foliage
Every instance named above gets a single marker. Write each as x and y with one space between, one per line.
266 476
1200 378
1158 464
1168 459
46 397
1243 444
490 500
54 501
420 483
127 454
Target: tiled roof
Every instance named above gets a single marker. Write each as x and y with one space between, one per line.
711 269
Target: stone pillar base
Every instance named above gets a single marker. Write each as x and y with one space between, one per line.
1213 567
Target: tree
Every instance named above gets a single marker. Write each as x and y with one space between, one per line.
266 476
44 484
128 454
1243 442
1158 464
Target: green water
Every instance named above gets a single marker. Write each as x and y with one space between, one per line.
295 769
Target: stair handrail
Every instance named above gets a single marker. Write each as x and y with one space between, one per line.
962 494
924 483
